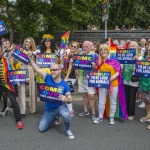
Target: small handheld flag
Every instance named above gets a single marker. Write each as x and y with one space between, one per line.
64 40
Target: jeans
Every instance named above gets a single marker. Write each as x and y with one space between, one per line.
49 117
13 100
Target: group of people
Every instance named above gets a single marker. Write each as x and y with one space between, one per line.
122 89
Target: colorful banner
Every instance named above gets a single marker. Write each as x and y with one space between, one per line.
71 86
99 79
17 76
142 69
50 93
64 40
20 53
83 62
126 56
45 60
3 29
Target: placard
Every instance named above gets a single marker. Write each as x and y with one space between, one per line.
17 76
71 86
3 29
45 60
99 79
142 69
20 53
126 56
83 62
50 93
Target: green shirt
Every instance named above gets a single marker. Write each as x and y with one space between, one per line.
127 71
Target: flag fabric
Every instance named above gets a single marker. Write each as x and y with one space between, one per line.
128 45
112 48
64 40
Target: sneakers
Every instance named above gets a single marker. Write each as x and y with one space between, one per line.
93 117
20 125
70 135
82 114
112 122
142 105
72 113
57 120
130 117
97 120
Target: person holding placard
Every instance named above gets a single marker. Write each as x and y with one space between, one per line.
29 45
145 92
69 72
130 85
6 65
116 86
52 108
7 48
87 92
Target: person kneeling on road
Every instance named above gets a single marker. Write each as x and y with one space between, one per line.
52 109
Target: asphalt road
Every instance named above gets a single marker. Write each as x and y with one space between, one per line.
124 135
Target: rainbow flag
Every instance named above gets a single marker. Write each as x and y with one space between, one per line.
112 47
6 68
64 40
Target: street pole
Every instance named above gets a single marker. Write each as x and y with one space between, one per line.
105 30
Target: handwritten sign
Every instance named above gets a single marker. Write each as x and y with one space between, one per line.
3 29
99 79
50 93
20 53
71 86
45 60
83 62
17 76
142 69
126 56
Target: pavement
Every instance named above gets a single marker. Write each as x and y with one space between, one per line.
129 135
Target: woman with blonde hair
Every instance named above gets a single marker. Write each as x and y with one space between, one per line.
29 44
116 86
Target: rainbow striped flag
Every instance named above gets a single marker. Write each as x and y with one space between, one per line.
6 68
64 40
113 48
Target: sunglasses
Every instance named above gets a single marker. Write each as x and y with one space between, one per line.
73 46
54 69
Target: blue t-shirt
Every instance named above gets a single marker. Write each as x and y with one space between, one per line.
49 81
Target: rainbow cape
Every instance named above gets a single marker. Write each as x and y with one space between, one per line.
64 40
121 111
6 68
112 48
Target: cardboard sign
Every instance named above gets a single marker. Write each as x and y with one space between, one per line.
3 29
50 93
142 69
20 53
71 86
45 60
83 62
17 76
126 56
99 79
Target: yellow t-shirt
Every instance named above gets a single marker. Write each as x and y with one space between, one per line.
108 68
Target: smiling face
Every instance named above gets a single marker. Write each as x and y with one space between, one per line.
74 47
28 44
48 43
6 45
55 71
104 51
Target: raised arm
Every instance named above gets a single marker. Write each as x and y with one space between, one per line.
35 66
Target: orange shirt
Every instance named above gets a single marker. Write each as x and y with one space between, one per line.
108 68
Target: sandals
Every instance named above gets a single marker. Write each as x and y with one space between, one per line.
148 127
144 119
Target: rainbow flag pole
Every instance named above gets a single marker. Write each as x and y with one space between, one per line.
112 47
64 40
